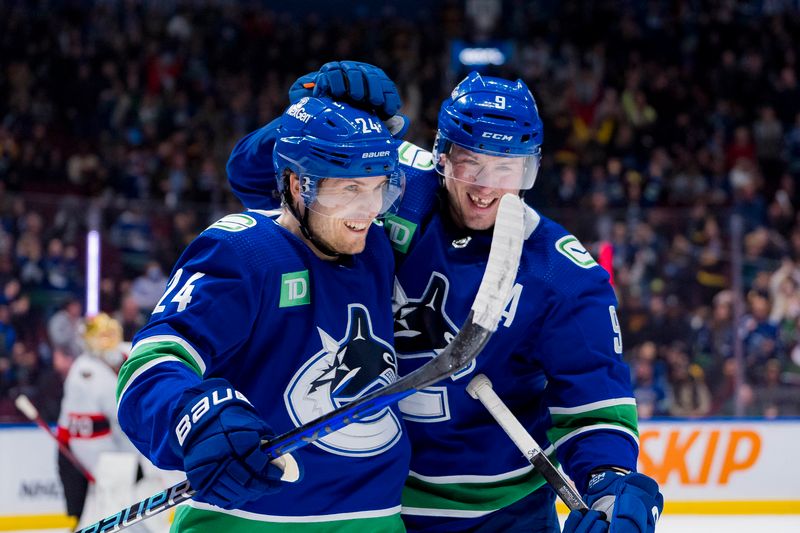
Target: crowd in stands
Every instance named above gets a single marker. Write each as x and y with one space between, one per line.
672 133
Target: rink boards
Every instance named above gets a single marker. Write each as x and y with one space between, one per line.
704 467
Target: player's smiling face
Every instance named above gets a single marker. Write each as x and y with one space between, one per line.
344 210
475 183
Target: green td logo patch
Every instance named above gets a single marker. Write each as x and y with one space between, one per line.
295 289
233 223
571 248
399 231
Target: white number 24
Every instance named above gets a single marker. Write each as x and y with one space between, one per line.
368 125
184 296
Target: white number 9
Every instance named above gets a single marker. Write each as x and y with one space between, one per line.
617 330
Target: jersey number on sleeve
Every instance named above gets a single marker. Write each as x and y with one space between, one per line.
184 296
617 330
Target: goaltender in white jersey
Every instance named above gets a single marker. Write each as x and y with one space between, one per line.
88 426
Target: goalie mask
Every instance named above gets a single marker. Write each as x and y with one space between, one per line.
490 134
103 336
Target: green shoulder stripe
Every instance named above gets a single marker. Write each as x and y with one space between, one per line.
147 354
619 415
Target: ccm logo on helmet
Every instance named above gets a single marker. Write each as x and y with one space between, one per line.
496 136
368 155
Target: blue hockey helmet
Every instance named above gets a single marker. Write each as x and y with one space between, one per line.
494 117
320 139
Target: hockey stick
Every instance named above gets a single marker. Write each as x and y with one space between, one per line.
490 301
480 388
27 408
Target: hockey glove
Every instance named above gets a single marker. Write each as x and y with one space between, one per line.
360 83
218 433
630 502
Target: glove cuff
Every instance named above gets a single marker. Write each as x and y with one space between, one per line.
211 395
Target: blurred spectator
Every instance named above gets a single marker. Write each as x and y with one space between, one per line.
648 383
130 317
761 341
149 287
7 333
774 396
64 329
40 383
689 394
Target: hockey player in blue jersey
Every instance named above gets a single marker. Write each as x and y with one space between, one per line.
556 358
271 320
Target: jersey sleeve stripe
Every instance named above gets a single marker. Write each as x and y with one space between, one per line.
597 427
616 414
188 348
126 381
602 404
146 355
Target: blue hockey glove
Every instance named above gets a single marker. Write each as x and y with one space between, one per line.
630 502
218 433
302 86
360 84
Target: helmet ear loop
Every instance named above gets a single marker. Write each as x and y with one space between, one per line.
288 200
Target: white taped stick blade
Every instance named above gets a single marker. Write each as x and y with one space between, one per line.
26 407
503 263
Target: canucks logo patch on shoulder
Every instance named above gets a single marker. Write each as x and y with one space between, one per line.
571 248
414 156
341 372
234 222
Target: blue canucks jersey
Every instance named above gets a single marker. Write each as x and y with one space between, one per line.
298 336
555 359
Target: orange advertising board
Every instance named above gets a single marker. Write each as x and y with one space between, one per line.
724 466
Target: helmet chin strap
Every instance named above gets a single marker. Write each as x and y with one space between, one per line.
306 229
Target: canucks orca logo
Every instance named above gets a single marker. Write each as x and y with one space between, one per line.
341 372
422 327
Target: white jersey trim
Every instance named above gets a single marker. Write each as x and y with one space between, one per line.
595 427
602 404
271 213
452 513
144 368
177 340
378 513
441 480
